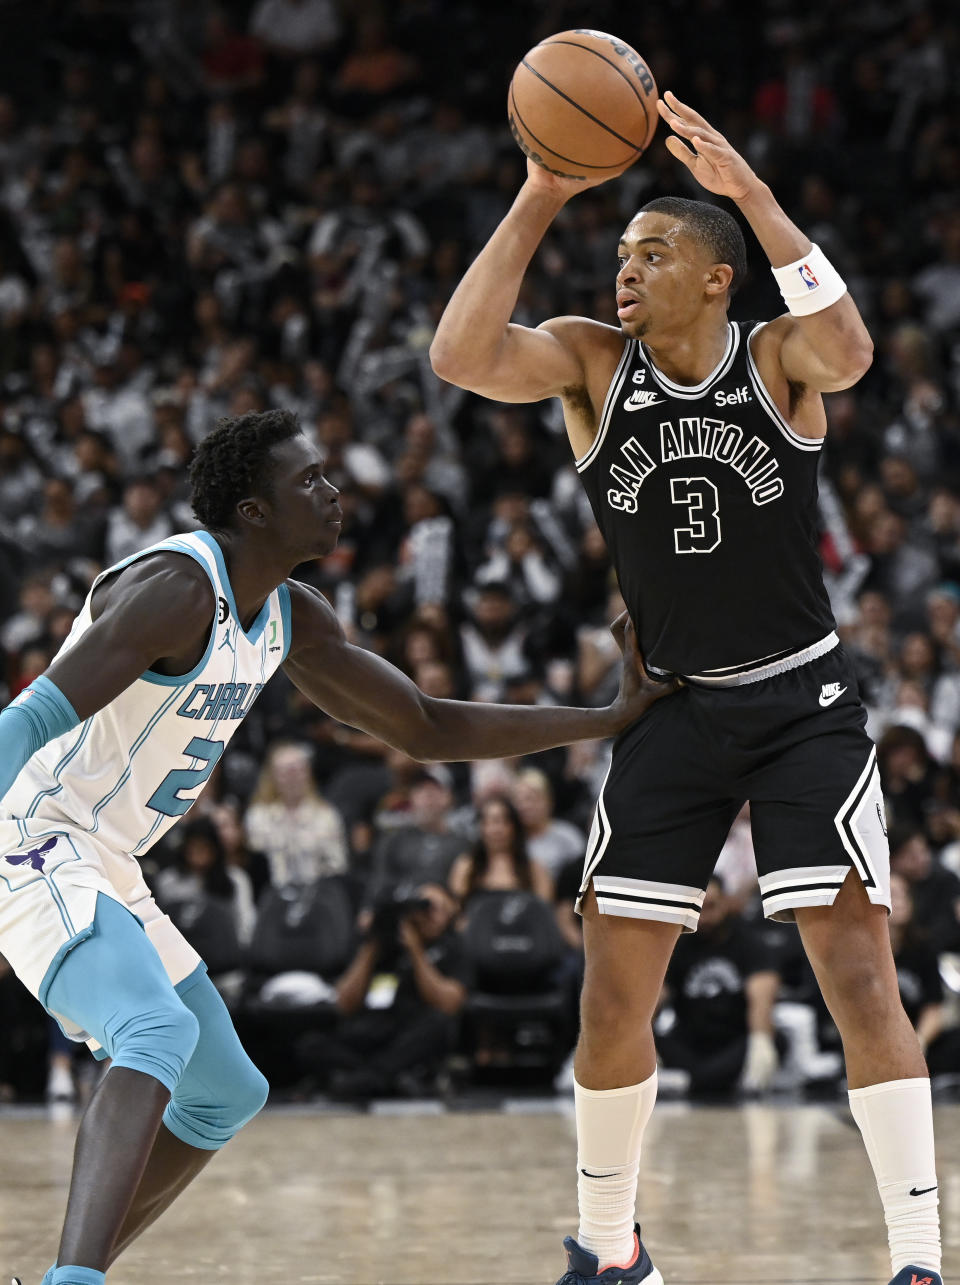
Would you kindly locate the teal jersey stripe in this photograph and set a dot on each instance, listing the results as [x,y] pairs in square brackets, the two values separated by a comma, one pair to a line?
[58,770]
[125,775]
[283,593]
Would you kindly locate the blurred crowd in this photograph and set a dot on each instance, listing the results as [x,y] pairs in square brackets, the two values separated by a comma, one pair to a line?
[212,208]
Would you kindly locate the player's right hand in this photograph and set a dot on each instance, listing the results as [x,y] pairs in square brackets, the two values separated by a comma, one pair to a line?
[542,180]
[637,691]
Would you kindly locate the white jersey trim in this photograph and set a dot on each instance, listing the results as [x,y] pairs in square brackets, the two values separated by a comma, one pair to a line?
[690,392]
[770,406]
[613,392]
[867,787]
[759,672]
[600,832]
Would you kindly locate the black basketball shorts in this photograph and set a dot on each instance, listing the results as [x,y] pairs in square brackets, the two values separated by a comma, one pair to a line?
[794,745]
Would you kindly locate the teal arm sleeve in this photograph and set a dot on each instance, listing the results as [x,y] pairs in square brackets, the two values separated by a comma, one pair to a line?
[40,713]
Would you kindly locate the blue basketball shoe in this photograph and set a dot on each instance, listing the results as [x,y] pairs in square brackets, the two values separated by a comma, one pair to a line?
[583,1267]
[917,1276]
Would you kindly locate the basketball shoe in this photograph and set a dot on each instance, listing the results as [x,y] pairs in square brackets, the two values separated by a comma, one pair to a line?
[583,1267]
[916,1276]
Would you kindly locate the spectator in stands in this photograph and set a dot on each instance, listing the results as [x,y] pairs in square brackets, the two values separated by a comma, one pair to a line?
[37,601]
[228,819]
[399,1001]
[301,835]
[58,533]
[917,972]
[550,842]
[21,481]
[907,774]
[722,984]
[139,523]
[934,890]
[499,860]
[492,642]
[423,849]
[294,28]
[201,870]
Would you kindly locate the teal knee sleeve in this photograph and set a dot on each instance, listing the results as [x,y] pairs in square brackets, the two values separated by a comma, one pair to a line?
[114,986]
[221,1089]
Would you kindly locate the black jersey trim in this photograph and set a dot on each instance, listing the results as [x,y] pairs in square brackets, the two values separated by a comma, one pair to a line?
[692,392]
[770,406]
[613,392]
[655,903]
[798,889]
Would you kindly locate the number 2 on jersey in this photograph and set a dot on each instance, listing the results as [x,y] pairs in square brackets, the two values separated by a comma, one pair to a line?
[699,496]
[166,797]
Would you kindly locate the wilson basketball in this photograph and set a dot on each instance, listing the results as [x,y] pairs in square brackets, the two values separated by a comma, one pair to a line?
[583,104]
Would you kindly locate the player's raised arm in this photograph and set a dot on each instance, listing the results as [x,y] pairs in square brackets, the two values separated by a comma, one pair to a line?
[359,688]
[159,609]
[822,343]
[476,346]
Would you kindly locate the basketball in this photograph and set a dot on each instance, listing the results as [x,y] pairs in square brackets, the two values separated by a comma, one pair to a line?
[583,104]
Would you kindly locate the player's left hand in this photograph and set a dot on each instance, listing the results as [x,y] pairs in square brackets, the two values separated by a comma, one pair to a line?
[713,162]
[637,691]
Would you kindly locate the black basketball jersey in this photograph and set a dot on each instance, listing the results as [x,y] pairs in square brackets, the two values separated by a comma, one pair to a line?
[708,502]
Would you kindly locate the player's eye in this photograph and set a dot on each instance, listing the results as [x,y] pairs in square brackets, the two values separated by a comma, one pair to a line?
[652,256]
[621,260]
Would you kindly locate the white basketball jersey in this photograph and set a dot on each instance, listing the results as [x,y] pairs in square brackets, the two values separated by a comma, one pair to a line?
[132,769]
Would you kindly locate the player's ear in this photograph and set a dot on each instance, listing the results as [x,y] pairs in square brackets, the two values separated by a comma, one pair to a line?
[718,279]
[251,512]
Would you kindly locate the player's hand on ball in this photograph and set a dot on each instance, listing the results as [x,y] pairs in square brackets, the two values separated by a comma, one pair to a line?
[637,691]
[558,186]
[709,157]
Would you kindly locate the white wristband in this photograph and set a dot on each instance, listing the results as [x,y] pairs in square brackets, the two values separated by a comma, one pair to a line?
[811,284]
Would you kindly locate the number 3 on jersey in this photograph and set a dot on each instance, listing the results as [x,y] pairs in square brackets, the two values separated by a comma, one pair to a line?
[699,496]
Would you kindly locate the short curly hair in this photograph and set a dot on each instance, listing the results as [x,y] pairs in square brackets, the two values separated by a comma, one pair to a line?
[711,227]
[233,462]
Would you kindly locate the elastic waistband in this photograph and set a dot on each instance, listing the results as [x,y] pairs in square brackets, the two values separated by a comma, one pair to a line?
[782,665]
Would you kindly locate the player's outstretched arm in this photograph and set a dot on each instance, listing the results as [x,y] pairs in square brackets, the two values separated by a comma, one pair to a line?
[160,609]
[361,689]
[825,348]
[476,345]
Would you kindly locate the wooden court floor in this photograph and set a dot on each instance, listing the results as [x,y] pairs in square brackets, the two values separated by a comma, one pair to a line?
[771,1194]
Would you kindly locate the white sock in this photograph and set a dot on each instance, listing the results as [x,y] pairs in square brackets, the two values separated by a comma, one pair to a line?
[610,1125]
[896,1120]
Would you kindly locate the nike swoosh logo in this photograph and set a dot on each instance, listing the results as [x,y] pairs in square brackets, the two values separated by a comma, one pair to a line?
[632,406]
[604,1175]
[828,700]
[914,1192]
